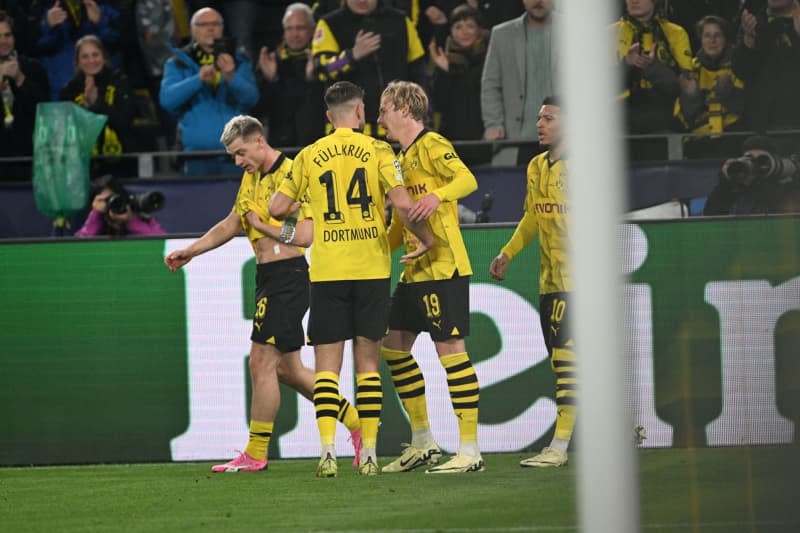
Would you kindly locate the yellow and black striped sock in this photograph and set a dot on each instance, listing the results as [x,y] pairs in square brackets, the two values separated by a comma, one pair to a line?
[563,363]
[369,399]
[326,404]
[260,433]
[410,386]
[348,415]
[464,394]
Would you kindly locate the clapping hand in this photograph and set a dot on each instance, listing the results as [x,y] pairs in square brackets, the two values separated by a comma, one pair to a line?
[92,11]
[89,91]
[268,63]
[749,24]
[207,74]
[56,15]
[438,56]
[636,58]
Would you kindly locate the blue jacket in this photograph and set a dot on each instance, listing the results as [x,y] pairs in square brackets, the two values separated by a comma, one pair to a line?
[202,111]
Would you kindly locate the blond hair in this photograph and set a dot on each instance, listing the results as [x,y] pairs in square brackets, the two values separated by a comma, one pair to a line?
[243,126]
[408,93]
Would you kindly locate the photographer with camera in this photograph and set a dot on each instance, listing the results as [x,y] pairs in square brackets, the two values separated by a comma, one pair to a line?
[760,182]
[118,213]
[206,84]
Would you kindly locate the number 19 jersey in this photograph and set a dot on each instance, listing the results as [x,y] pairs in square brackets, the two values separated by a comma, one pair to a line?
[346,176]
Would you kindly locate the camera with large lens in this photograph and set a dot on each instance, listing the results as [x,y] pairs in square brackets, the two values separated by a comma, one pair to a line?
[777,168]
[742,170]
[144,203]
[750,168]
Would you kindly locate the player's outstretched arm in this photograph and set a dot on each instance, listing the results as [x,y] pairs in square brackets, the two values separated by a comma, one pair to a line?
[222,232]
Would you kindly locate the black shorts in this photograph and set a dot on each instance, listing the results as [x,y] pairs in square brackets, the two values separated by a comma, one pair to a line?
[281,303]
[440,307]
[553,315]
[342,310]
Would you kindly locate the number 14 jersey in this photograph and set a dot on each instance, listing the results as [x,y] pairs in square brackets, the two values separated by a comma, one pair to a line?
[346,176]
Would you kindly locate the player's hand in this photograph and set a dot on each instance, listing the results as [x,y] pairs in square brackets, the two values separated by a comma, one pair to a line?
[268,63]
[419,248]
[438,56]
[366,42]
[226,65]
[177,259]
[424,208]
[498,267]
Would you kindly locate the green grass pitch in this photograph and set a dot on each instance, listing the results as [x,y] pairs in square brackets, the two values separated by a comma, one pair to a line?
[721,490]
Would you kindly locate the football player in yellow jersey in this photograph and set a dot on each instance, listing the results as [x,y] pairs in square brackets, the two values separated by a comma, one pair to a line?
[546,217]
[346,176]
[433,292]
[281,289]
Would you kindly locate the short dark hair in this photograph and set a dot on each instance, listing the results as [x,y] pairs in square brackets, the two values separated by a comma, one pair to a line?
[8,19]
[552,100]
[106,181]
[465,12]
[759,142]
[342,92]
[723,24]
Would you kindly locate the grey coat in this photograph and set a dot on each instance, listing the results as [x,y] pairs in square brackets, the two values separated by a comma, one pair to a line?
[503,80]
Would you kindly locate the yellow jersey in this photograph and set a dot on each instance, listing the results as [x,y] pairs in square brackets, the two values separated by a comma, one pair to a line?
[546,216]
[254,194]
[346,176]
[431,165]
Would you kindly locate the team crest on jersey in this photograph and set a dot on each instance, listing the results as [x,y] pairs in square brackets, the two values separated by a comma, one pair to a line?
[399,175]
[289,176]
[318,35]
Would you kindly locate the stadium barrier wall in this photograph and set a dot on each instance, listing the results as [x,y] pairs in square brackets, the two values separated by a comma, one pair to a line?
[109,357]
[194,205]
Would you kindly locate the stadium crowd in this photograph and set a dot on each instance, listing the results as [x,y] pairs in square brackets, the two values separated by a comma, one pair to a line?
[170,73]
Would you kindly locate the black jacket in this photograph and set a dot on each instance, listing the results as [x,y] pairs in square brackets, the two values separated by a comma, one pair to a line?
[294,107]
[771,73]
